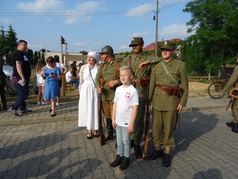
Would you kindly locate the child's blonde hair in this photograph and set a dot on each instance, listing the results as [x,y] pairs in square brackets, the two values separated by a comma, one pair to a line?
[127,68]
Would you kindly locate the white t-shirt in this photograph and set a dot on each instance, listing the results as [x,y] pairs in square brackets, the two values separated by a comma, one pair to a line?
[68,76]
[60,65]
[125,98]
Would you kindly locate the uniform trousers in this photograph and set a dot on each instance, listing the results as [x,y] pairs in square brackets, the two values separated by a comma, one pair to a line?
[139,122]
[163,130]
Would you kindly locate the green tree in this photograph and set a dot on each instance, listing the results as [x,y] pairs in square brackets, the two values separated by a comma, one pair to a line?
[213,23]
[2,40]
[11,39]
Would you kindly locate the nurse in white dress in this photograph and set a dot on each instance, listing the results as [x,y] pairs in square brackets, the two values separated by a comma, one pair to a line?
[88,101]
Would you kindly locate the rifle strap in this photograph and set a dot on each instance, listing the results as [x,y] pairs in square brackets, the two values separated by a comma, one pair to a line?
[90,73]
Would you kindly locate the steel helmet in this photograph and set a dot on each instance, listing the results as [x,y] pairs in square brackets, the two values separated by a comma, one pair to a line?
[107,50]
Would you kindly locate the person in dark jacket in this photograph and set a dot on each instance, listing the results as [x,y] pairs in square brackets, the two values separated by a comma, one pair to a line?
[2,84]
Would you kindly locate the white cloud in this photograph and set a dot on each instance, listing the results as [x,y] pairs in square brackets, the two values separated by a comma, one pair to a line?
[174,31]
[40,5]
[82,11]
[140,10]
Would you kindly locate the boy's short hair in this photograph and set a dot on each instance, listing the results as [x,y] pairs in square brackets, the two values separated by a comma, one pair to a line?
[128,68]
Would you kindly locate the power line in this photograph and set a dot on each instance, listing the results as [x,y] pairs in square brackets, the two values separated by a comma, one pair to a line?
[63,13]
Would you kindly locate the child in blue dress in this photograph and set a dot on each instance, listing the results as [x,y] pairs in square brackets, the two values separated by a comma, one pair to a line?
[52,75]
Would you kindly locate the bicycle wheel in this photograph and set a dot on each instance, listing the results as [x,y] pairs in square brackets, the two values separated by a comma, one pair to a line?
[215,90]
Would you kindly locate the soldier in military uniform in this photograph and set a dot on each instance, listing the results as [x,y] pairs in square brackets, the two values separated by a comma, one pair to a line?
[168,94]
[140,64]
[107,80]
[232,82]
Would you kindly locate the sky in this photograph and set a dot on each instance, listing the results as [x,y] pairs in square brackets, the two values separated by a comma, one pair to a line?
[91,24]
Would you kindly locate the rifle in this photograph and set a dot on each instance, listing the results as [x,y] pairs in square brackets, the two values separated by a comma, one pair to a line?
[147,131]
[229,103]
[102,137]
[177,121]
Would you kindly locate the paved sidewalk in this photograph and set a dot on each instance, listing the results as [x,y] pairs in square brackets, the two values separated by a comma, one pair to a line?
[69,111]
[56,148]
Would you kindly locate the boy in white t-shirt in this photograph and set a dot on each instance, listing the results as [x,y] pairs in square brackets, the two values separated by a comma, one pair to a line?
[123,116]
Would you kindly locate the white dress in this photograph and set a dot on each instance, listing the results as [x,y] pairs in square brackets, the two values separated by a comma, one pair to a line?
[88,101]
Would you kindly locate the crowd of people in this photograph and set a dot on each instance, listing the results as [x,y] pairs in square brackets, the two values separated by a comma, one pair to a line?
[127,88]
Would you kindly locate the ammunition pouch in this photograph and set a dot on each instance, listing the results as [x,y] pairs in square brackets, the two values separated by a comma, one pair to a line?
[172,90]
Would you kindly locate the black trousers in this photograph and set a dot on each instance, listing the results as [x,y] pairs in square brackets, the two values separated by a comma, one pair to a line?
[3,95]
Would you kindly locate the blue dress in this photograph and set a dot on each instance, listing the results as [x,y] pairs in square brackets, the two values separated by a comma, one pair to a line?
[51,84]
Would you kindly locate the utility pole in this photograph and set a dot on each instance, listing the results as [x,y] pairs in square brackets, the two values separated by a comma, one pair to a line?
[156,27]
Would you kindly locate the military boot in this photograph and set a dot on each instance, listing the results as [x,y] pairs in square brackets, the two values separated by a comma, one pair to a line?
[109,130]
[166,160]
[230,124]
[235,128]
[138,151]
[156,154]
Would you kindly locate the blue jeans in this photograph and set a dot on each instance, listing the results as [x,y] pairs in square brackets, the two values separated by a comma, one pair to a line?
[123,141]
[74,82]
[22,93]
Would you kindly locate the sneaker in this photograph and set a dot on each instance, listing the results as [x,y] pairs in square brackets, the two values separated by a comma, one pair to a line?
[43,103]
[125,163]
[14,112]
[26,110]
[117,161]
[38,103]
[52,114]
[230,124]
[235,128]
[57,104]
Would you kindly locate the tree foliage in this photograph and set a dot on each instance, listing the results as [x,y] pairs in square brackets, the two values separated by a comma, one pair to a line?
[215,40]
[8,44]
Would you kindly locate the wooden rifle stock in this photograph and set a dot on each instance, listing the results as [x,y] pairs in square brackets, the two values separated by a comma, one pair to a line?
[102,137]
[147,131]
[229,103]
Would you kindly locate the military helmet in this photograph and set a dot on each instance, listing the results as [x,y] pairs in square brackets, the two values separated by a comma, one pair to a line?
[167,46]
[107,50]
[136,41]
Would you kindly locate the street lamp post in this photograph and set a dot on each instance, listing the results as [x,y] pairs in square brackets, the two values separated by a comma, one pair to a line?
[156,27]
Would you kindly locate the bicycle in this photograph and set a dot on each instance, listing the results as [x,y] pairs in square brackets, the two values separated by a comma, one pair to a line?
[215,89]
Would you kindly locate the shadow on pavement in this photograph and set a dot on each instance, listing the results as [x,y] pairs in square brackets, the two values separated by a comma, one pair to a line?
[192,126]
[52,166]
[84,168]
[31,145]
[210,173]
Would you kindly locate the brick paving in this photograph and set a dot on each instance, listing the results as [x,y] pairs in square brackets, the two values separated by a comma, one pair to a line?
[38,146]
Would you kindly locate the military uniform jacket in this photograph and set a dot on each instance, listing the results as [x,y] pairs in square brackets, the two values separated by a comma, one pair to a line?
[231,82]
[134,61]
[107,72]
[161,101]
